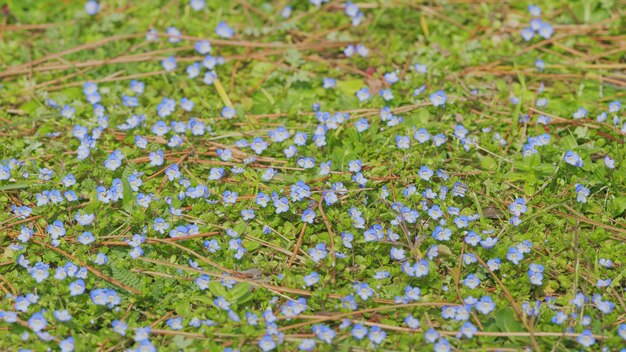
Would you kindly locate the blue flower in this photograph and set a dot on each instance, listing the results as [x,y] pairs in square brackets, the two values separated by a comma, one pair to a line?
[324,333]
[105,296]
[37,322]
[586,338]
[308,216]
[386,94]
[267,343]
[173,34]
[534,10]
[197,5]
[363,290]
[67,345]
[621,330]
[438,98]
[119,327]
[403,142]
[329,83]
[412,322]
[175,323]
[223,30]
[535,274]
[101,259]
[62,315]
[572,158]
[307,345]
[442,345]
[359,331]
[114,161]
[56,229]
[311,279]
[580,113]
[84,219]
[258,145]
[318,252]
[468,330]
[397,253]
[376,335]
[518,207]
[92,7]
[471,281]
[247,214]
[581,193]
[485,305]
[528,33]
[425,173]
[609,162]
[169,63]
[412,293]
[361,50]
[228,112]
[605,307]
[142,333]
[363,94]
[137,87]
[431,335]
[545,30]
[439,139]
[494,264]
[286,12]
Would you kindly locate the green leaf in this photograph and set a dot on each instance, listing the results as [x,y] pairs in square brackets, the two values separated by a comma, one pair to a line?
[128,199]
[617,206]
[217,289]
[506,321]
[15,186]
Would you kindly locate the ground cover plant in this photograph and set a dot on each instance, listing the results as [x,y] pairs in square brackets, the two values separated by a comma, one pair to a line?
[312,175]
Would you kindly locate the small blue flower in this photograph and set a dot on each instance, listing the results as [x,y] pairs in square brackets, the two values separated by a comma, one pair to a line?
[92,7]
[376,335]
[329,83]
[586,338]
[175,323]
[359,331]
[621,330]
[308,216]
[572,158]
[485,305]
[363,94]
[228,112]
[306,345]
[609,162]
[142,333]
[545,30]
[615,106]
[534,10]
[438,98]
[581,193]
[37,322]
[169,63]
[173,34]
[528,33]
[431,335]
[67,345]
[324,333]
[518,207]
[119,327]
[471,281]
[197,5]
[224,31]
[580,113]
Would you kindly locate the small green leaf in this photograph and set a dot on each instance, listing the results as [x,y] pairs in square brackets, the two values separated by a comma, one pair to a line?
[128,199]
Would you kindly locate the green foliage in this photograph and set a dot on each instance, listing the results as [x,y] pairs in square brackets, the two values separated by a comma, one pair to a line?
[273,75]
